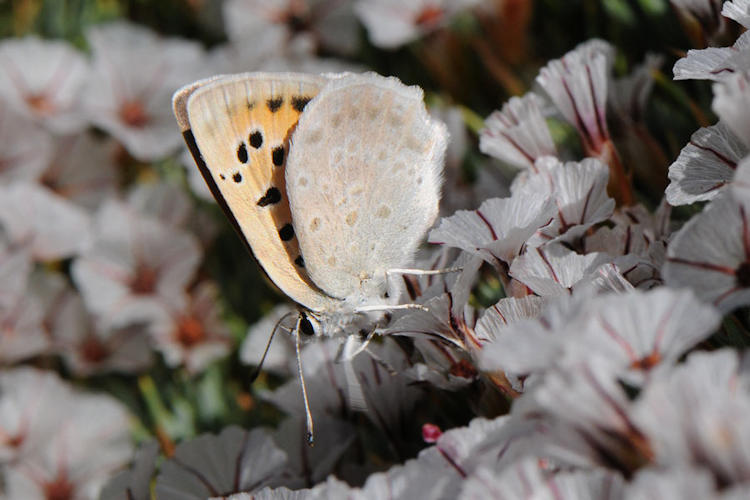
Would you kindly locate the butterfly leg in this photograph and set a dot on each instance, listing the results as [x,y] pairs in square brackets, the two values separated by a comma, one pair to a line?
[308,415]
[424,272]
[390,273]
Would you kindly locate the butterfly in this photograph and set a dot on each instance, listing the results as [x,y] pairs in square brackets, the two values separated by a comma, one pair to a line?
[331,180]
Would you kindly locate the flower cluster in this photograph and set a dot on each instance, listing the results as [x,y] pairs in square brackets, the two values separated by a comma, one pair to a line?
[581,335]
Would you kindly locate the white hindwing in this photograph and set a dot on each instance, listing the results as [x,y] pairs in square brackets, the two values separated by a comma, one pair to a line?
[363,179]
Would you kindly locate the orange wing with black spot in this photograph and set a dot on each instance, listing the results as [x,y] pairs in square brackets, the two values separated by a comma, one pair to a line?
[238,128]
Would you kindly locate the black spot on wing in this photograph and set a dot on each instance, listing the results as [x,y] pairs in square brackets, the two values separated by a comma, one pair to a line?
[242,153]
[277,156]
[222,177]
[237,177]
[274,104]
[299,102]
[300,261]
[272,196]
[256,139]
[286,233]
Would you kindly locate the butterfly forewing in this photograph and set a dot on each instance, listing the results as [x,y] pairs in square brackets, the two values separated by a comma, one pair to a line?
[238,129]
[363,177]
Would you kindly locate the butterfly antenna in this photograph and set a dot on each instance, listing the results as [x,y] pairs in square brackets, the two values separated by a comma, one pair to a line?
[308,415]
[256,373]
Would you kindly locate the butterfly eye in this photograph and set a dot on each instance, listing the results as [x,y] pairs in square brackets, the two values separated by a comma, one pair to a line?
[306,326]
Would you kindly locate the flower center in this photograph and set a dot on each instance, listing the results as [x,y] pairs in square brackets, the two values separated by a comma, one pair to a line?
[134,114]
[463,369]
[190,331]
[93,350]
[12,441]
[743,275]
[41,104]
[429,16]
[647,362]
[59,489]
[144,282]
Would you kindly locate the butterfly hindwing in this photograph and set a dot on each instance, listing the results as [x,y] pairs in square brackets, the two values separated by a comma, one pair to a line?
[238,129]
[363,176]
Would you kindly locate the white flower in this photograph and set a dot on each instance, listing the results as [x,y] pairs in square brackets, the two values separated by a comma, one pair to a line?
[49,225]
[448,315]
[163,201]
[411,480]
[681,483]
[330,489]
[22,332]
[73,424]
[507,311]
[498,230]
[388,393]
[134,75]
[517,134]
[636,232]
[218,465]
[196,335]
[705,165]
[171,205]
[134,483]
[588,400]
[281,358]
[577,84]
[741,183]
[710,255]
[85,345]
[634,332]
[527,479]
[739,10]
[710,433]
[44,80]
[330,23]
[393,23]
[731,102]
[308,465]
[553,269]
[24,426]
[457,452]
[376,381]
[25,148]
[82,170]
[135,267]
[579,191]
[714,63]
[324,377]
[536,341]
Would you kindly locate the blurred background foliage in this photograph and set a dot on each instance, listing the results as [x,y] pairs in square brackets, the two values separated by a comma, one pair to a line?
[478,64]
